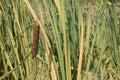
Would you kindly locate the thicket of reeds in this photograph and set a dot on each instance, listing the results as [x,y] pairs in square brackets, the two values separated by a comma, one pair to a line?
[78,40]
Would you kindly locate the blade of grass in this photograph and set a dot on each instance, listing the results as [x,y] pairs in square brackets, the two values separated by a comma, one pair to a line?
[81,34]
[60,9]
[88,32]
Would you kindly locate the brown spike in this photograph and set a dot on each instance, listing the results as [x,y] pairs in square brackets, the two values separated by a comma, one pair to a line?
[35,40]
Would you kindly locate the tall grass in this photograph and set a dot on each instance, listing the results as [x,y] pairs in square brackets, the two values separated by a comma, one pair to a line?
[78,40]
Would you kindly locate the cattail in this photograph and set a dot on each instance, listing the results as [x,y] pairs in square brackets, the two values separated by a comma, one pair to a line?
[35,40]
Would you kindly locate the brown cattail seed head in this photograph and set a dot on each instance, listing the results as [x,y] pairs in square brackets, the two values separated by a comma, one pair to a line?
[35,40]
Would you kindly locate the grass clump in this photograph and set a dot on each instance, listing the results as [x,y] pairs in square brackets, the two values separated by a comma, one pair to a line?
[78,40]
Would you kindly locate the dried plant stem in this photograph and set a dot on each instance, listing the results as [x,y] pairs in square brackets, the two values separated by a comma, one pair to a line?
[8,73]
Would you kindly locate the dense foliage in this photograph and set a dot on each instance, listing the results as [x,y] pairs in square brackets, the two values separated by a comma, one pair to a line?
[78,39]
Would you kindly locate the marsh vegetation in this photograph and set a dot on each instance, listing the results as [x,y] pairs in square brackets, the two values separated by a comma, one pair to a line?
[77,40]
